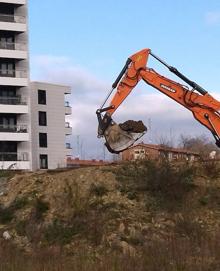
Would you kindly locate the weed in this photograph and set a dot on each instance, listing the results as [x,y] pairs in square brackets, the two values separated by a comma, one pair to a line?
[6,215]
[40,208]
[188,227]
[59,233]
[211,169]
[98,190]
[20,227]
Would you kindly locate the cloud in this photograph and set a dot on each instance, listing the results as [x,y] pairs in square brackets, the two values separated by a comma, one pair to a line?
[212,17]
[165,116]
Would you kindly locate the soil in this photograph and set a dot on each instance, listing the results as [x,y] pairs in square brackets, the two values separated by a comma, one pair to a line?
[133,126]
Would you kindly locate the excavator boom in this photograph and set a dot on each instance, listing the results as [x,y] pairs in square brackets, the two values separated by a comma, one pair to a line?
[203,106]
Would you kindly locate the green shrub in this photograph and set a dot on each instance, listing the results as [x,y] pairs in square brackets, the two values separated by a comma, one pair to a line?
[60,233]
[6,215]
[40,208]
[98,190]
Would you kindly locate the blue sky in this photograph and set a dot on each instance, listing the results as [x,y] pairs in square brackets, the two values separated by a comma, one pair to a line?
[92,39]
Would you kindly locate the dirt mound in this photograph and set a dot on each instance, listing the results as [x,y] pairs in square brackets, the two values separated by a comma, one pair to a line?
[133,126]
[122,208]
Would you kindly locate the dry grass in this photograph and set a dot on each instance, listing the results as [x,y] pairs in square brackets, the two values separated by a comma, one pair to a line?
[174,254]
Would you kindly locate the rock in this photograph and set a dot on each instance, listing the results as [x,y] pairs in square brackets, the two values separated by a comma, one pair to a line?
[121,228]
[6,235]
[127,249]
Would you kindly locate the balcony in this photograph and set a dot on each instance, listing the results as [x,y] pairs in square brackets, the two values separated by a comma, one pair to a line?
[13,77]
[68,149]
[13,156]
[13,128]
[14,50]
[68,109]
[17,2]
[13,46]
[68,128]
[14,132]
[16,105]
[13,22]
[17,100]
[12,18]
[68,146]
[13,160]
[13,73]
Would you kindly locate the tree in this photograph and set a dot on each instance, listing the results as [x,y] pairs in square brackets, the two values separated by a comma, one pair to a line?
[200,144]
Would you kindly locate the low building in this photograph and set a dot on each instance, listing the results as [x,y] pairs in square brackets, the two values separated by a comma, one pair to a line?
[84,163]
[151,151]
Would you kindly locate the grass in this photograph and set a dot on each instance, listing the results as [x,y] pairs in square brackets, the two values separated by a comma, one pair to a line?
[172,254]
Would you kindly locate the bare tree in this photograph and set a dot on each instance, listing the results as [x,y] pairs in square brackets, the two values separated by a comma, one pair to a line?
[200,144]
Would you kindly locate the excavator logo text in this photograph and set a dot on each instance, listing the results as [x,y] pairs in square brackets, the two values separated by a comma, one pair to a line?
[168,88]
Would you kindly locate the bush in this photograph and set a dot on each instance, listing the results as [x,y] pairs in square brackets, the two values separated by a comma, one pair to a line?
[60,233]
[211,169]
[7,213]
[98,190]
[164,181]
[40,207]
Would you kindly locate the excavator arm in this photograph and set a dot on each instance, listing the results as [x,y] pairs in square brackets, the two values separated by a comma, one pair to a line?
[202,105]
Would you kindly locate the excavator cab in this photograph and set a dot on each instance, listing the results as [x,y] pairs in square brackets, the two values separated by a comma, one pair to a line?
[121,136]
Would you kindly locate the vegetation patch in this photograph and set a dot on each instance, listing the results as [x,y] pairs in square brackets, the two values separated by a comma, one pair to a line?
[7,213]
[160,179]
[98,190]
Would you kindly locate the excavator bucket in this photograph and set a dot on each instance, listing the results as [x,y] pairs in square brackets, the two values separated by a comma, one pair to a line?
[119,137]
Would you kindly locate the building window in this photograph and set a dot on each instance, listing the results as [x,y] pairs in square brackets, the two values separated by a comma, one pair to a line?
[42,118]
[7,69]
[42,96]
[43,140]
[43,161]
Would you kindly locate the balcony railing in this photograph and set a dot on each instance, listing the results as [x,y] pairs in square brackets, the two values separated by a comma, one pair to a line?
[13,46]
[14,156]
[67,104]
[13,73]
[22,128]
[17,100]
[68,146]
[67,125]
[12,18]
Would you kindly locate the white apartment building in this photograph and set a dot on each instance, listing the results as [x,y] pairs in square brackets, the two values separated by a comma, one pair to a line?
[15,149]
[21,114]
[49,127]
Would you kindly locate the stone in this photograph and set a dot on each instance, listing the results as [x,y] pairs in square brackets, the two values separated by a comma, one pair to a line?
[6,235]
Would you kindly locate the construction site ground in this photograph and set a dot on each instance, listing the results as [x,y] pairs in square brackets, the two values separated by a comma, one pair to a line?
[139,211]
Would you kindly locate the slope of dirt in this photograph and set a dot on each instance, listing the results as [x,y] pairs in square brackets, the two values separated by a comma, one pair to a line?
[111,208]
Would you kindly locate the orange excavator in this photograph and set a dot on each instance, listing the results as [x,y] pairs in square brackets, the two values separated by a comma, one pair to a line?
[119,137]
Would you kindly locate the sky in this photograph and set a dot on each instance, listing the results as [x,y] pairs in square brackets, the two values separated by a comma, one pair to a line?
[85,44]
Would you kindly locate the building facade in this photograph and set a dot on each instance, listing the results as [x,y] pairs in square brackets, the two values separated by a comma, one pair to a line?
[151,151]
[49,128]
[32,133]
[15,134]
